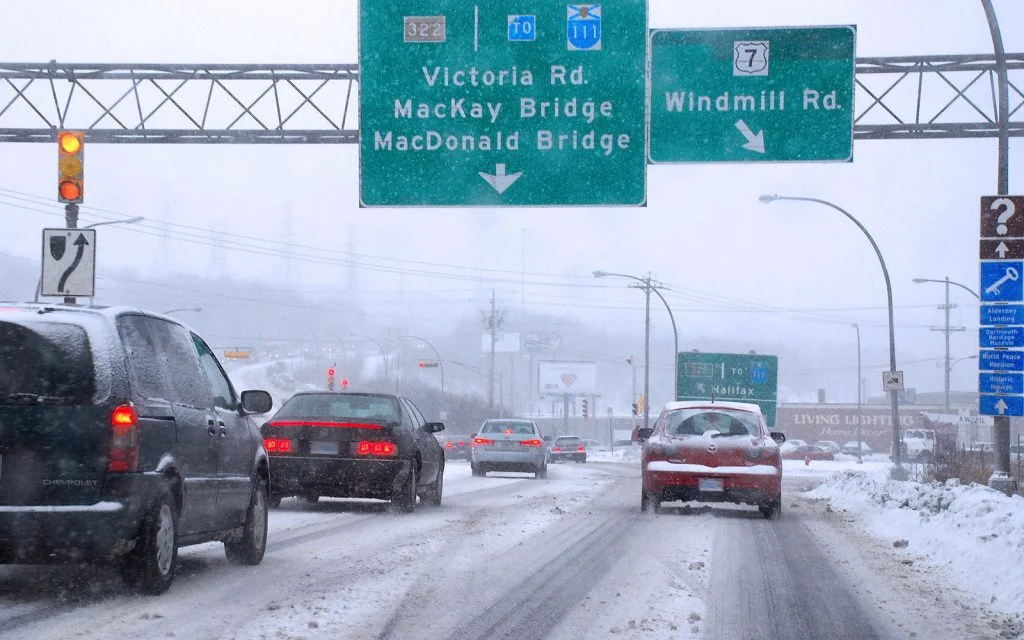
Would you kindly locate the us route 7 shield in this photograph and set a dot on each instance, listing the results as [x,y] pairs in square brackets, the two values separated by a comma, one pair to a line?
[69,263]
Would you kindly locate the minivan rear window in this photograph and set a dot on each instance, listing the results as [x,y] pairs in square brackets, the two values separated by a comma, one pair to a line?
[45,362]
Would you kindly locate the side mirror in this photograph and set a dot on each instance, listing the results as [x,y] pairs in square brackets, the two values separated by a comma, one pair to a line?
[644,434]
[256,401]
[778,437]
[434,427]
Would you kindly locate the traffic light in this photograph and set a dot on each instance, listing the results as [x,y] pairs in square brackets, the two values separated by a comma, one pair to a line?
[330,372]
[586,407]
[330,378]
[70,167]
[642,405]
[429,364]
[344,384]
[636,409]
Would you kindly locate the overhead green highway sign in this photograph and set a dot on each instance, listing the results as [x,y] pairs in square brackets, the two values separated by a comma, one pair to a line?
[737,377]
[779,94]
[503,102]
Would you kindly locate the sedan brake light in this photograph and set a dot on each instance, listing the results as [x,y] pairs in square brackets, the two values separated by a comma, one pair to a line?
[324,423]
[376,448]
[278,445]
[478,441]
[581,448]
[556,449]
[530,443]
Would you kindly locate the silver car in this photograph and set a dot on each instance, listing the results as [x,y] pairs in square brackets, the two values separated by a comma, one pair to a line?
[508,445]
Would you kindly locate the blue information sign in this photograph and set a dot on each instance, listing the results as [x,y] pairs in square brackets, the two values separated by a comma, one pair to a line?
[1002,314]
[1001,336]
[1001,383]
[1001,405]
[991,360]
[1001,281]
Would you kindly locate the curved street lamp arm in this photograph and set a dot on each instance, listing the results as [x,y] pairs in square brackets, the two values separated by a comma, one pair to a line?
[440,364]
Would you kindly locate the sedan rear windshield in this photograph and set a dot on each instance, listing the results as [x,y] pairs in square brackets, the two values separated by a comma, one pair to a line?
[567,441]
[334,405]
[45,363]
[500,426]
[720,422]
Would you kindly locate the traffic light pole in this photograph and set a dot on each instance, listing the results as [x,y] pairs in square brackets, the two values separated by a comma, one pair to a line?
[71,221]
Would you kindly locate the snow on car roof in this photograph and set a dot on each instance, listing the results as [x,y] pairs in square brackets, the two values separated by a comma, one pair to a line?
[709,404]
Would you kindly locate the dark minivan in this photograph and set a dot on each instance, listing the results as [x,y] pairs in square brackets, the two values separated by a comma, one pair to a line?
[122,439]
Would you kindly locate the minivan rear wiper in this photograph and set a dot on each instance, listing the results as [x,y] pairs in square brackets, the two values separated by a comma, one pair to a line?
[22,397]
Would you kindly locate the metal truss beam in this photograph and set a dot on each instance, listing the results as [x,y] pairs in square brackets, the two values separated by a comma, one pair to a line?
[911,97]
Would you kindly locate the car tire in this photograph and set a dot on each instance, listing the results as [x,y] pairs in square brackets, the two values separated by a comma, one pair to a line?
[650,501]
[274,501]
[925,457]
[478,471]
[149,567]
[249,549]
[541,473]
[405,499]
[771,510]
[432,496]
[310,498]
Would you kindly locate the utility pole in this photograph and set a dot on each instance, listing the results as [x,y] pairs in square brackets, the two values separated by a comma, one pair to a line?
[947,331]
[493,322]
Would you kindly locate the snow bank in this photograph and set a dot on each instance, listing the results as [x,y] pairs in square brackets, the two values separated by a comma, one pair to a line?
[975,532]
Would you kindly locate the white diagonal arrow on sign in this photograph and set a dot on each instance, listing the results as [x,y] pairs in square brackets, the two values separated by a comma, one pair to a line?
[755,141]
[500,180]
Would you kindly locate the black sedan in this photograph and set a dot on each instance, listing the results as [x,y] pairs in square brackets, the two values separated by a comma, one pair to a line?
[354,445]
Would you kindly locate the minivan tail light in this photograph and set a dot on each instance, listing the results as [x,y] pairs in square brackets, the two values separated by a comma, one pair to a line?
[530,443]
[123,453]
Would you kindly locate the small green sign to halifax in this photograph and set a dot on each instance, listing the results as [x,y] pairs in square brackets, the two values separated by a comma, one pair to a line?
[502,103]
[736,377]
[773,94]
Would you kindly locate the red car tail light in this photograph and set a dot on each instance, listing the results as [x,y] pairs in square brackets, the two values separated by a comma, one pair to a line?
[123,453]
[581,448]
[479,441]
[530,443]
[556,449]
[278,445]
[376,448]
[449,445]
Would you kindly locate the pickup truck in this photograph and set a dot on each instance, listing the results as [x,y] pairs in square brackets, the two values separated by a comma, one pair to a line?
[919,444]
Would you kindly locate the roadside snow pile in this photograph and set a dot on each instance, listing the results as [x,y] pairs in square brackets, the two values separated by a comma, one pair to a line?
[974,531]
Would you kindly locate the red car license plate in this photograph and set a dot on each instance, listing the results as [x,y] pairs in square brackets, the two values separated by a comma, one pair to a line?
[710,484]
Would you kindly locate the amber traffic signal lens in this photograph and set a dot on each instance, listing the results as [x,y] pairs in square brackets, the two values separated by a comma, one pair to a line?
[69,142]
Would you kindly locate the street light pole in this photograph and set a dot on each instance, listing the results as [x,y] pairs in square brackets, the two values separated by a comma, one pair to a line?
[947,330]
[440,365]
[383,353]
[648,287]
[898,472]
[860,416]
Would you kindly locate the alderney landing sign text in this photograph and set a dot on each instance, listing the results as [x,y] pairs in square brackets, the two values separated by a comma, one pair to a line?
[504,102]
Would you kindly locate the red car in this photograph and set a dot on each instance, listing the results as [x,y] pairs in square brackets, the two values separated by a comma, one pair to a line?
[711,452]
[808,452]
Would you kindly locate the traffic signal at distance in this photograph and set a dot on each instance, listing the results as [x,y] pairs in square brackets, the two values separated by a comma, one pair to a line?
[636,409]
[586,408]
[330,372]
[70,167]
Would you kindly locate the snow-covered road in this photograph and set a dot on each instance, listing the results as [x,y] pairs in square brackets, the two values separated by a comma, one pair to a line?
[507,556]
